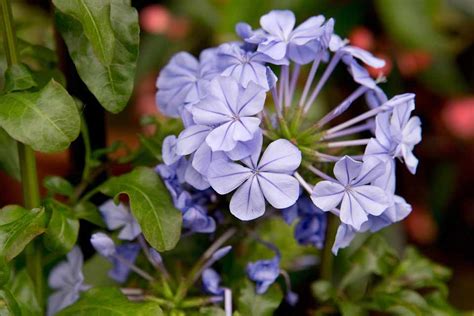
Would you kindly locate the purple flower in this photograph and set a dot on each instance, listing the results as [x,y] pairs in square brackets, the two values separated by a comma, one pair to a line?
[396,134]
[67,281]
[184,81]
[230,110]
[118,216]
[311,229]
[349,52]
[344,236]
[169,150]
[196,220]
[352,191]
[211,282]
[282,40]
[245,66]
[120,271]
[264,273]
[270,179]
[103,244]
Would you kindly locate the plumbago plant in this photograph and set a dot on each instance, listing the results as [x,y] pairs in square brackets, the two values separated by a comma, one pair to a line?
[233,202]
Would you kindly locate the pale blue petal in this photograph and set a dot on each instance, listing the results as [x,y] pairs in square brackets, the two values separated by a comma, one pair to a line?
[204,156]
[347,169]
[371,169]
[248,202]
[245,129]
[60,300]
[274,49]
[211,111]
[279,23]
[352,213]
[344,236]
[225,176]
[245,149]
[196,220]
[364,56]
[195,179]
[361,75]
[280,156]
[169,150]
[211,282]
[280,190]
[191,138]
[308,30]
[252,99]
[226,89]
[372,199]
[327,195]
[222,137]
[120,271]
[115,216]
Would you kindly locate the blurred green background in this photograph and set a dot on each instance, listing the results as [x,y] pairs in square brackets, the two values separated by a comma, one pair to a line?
[429,49]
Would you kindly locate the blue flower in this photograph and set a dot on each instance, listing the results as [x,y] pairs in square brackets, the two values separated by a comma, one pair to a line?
[230,110]
[311,230]
[118,216]
[269,179]
[169,150]
[120,271]
[103,244]
[211,282]
[352,191]
[282,40]
[396,134]
[67,281]
[264,273]
[184,81]
[245,66]
[196,220]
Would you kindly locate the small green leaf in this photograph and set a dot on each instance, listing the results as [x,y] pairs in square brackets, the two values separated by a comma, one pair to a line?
[102,38]
[9,155]
[58,185]
[211,311]
[23,290]
[323,290]
[89,212]
[47,120]
[18,227]
[5,271]
[253,304]
[151,205]
[374,256]
[351,309]
[63,227]
[18,77]
[110,302]
[8,304]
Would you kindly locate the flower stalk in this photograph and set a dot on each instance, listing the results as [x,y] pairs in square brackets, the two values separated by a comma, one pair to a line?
[29,176]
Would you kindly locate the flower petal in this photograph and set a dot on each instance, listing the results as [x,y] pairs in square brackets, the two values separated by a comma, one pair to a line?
[327,195]
[352,213]
[195,179]
[279,23]
[280,156]
[371,169]
[222,137]
[280,190]
[191,138]
[211,111]
[372,199]
[252,99]
[248,203]
[308,30]
[245,128]
[225,176]
[347,169]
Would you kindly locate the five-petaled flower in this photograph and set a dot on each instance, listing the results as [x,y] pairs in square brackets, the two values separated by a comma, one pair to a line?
[268,179]
[352,190]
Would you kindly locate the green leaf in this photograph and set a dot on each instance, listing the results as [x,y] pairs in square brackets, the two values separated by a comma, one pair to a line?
[374,256]
[151,205]
[253,304]
[18,77]
[58,185]
[8,304]
[351,309]
[5,271]
[211,311]
[102,37]
[323,290]
[22,288]
[110,302]
[89,212]
[47,120]
[18,227]
[63,227]
[9,155]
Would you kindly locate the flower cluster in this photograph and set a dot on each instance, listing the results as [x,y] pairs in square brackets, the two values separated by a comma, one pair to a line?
[233,141]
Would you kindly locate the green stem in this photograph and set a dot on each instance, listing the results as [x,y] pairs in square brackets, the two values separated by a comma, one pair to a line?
[327,256]
[29,176]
